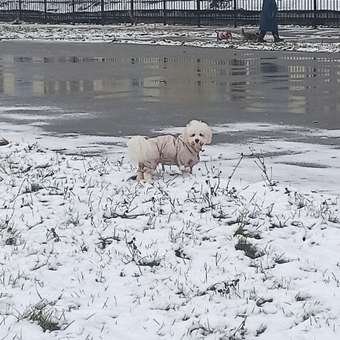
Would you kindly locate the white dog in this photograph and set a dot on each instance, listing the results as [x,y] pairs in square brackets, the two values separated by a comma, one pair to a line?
[182,150]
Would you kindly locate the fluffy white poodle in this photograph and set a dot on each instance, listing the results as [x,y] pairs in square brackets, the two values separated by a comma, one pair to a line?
[182,150]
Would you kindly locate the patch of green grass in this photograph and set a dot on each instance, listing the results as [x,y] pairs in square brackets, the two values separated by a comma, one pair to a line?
[44,316]
[249,249]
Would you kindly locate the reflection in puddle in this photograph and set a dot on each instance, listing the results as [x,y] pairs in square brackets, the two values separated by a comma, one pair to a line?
[245,82]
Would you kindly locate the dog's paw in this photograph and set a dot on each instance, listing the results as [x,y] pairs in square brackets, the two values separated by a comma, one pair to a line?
[185,169]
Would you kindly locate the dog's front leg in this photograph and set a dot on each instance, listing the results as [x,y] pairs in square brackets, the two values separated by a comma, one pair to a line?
[185,169]
[182,168]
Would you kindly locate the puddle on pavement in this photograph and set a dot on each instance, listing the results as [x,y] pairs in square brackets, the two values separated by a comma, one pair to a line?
[122,90]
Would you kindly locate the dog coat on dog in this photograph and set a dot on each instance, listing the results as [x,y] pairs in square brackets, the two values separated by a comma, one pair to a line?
[167,150]
[182,150]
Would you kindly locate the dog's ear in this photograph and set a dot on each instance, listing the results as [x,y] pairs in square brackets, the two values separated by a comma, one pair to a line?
[186,132]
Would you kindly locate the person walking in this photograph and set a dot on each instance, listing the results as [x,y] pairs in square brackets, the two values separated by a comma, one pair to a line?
[268,21]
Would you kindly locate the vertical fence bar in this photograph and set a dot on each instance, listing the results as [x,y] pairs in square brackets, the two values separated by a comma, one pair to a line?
[45,11]
[102,11]
[235,13]
[20,10]
[164,12]
[198,12]
[73,12]
[132,12]
[315,13]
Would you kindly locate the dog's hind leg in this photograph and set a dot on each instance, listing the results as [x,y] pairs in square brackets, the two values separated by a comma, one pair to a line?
[149,169]
[148,175]
[140,172]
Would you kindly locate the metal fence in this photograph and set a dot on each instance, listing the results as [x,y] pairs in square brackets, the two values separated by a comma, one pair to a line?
[190,12]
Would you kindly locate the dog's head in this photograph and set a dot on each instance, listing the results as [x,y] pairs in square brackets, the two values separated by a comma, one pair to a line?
[197,134]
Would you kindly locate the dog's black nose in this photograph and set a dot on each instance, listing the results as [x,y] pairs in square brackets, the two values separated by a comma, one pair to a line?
[197,140]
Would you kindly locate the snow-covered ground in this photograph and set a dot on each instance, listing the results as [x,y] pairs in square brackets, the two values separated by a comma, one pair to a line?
[296,38]
[247,247]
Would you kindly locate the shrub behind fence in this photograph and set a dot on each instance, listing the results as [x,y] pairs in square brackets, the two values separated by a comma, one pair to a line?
[191,12]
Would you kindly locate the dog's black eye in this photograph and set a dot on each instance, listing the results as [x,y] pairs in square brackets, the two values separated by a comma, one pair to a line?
[201,134]
[193,135]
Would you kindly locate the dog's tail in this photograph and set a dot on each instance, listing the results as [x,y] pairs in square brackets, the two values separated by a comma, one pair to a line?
[139,149]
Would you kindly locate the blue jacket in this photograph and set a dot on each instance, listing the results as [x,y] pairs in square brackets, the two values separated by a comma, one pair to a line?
[268,21]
